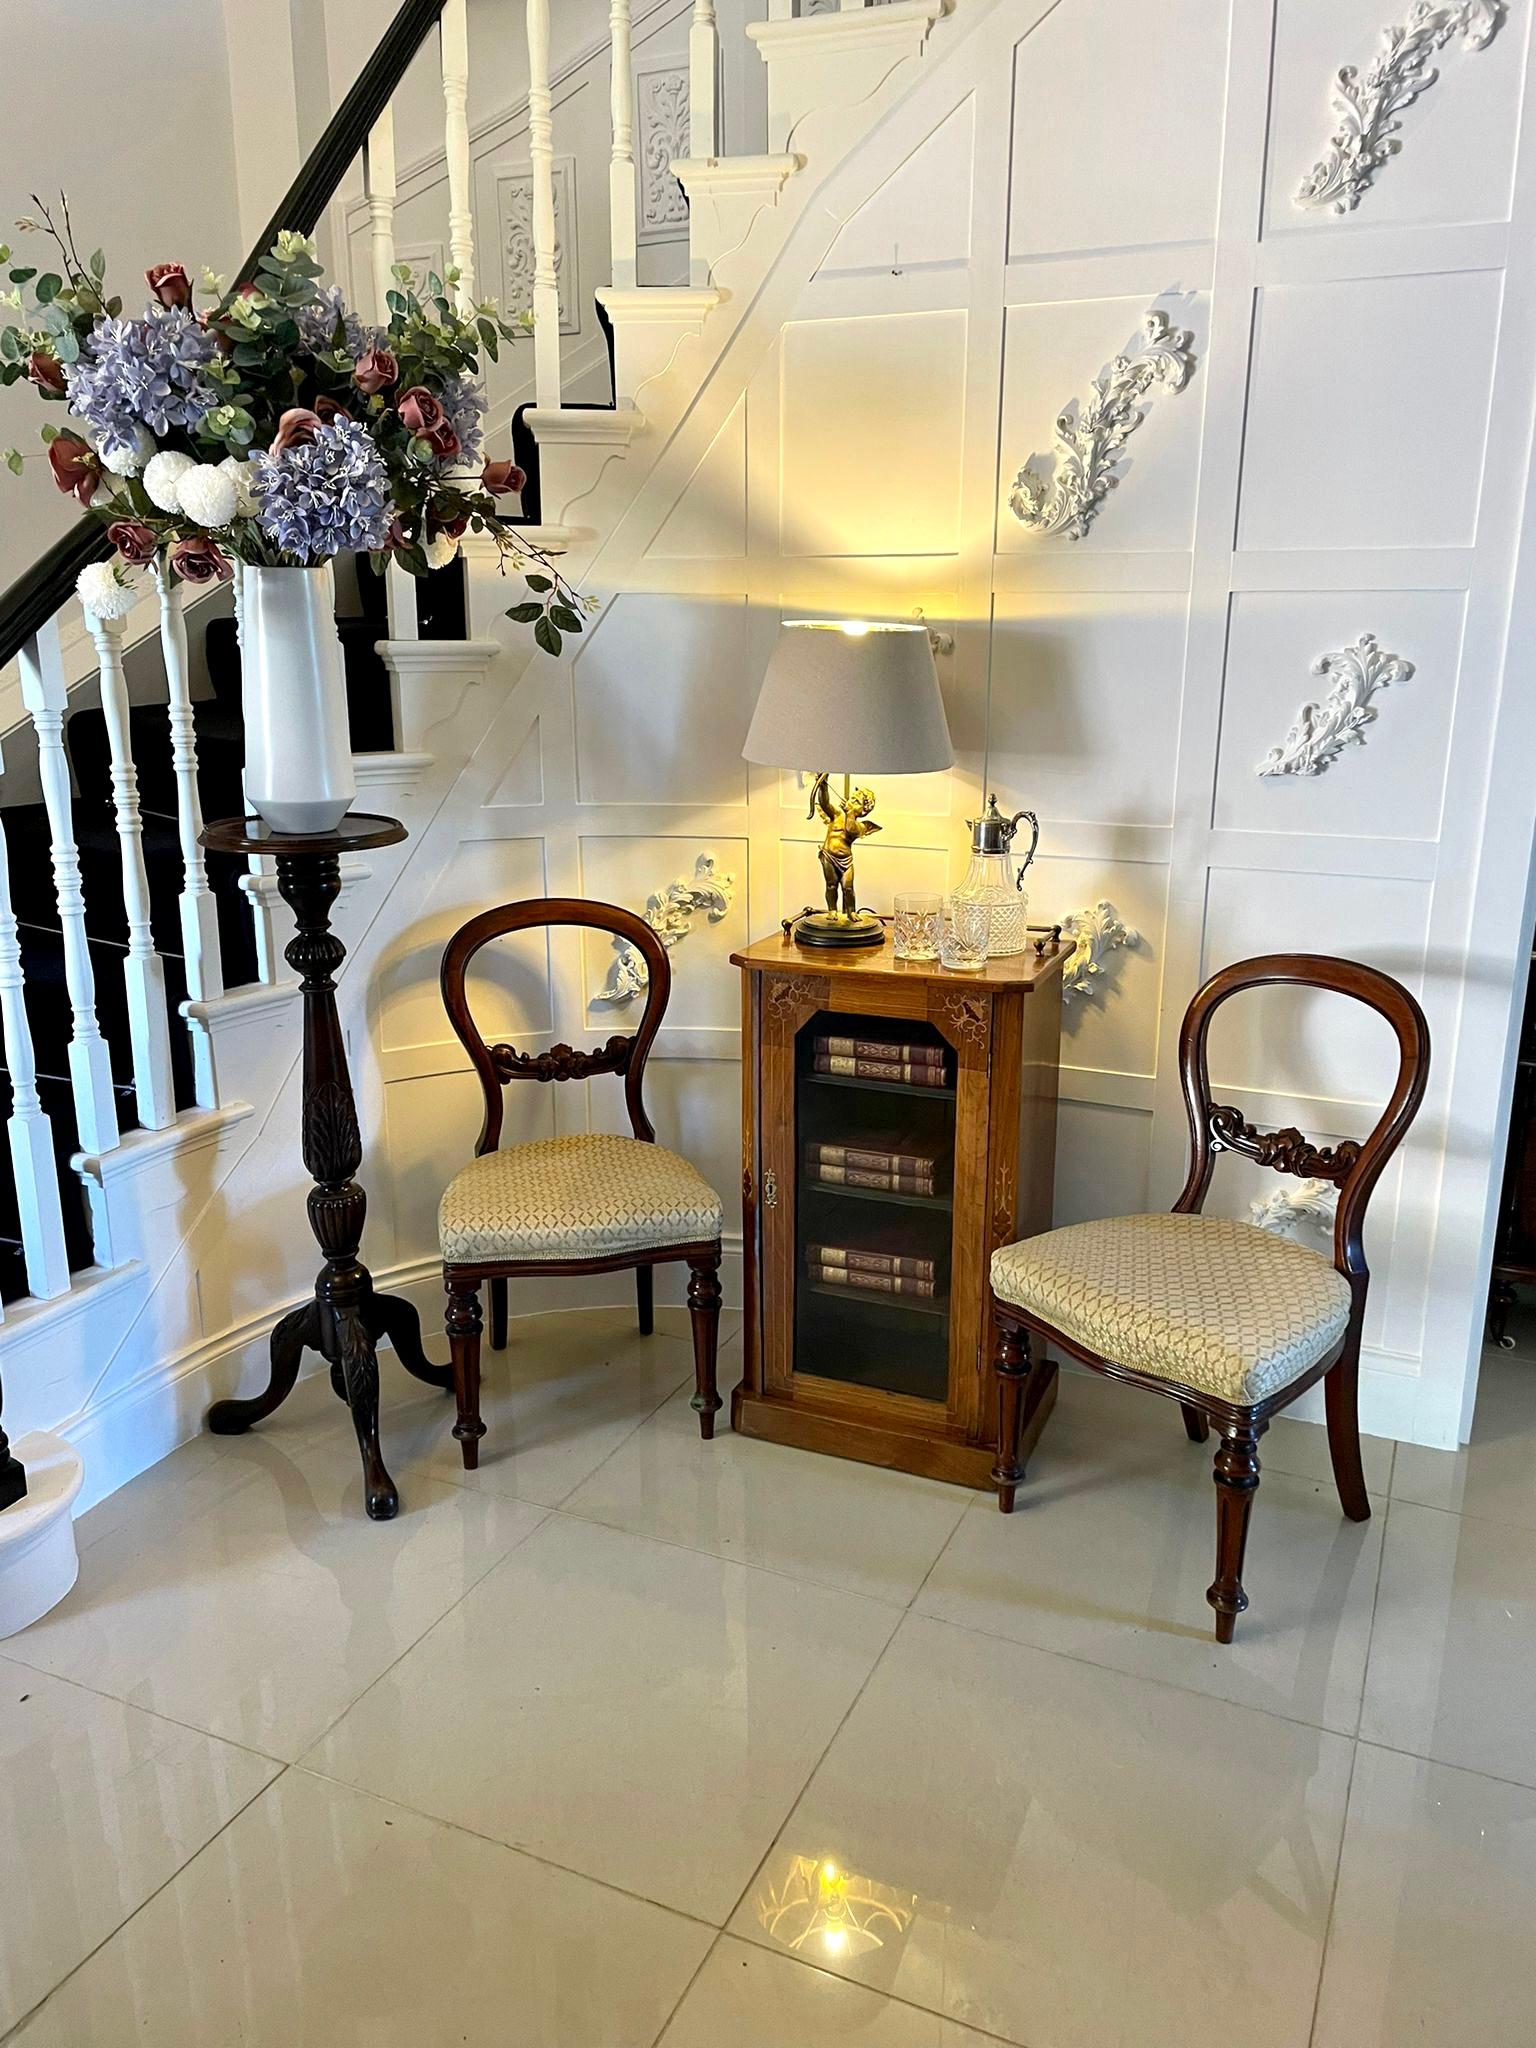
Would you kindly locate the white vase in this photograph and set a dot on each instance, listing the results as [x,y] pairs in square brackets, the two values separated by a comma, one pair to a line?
[298,753]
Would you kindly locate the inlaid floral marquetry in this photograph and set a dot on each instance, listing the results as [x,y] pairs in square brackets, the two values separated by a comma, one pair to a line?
[967,1017]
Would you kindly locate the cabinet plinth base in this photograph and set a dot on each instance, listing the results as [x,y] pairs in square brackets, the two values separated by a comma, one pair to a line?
[928,1457]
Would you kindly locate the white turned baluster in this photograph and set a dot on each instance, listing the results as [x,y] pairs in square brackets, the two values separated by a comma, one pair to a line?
[90,1062]
[703,72]
[621,168]
[259,867]
[143,970]
[30,1132]
[453,30]
[199,906]
[541,152]
[379,188]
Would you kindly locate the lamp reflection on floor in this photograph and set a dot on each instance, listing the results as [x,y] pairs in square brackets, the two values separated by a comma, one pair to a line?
[822,1908]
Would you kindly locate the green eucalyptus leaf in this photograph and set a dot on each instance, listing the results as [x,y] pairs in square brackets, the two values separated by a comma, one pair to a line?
[547,635]
[24,276]
[525,614]
[567,620]
[538,583]
[14,462]
[48,286]
[98,264]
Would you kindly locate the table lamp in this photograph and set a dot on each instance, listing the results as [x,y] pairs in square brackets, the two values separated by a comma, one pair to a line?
[848,690]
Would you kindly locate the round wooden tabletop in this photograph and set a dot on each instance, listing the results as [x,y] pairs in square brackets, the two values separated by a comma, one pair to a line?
[357,831]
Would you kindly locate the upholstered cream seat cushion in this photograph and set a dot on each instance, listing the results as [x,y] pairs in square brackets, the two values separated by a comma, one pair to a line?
[1230,1309]
[588,1196]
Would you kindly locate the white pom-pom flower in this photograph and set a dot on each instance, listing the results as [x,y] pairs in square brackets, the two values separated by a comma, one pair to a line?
[125,461]
[207,495]
[106,590]
[239,474]
[162,473]
[440,550]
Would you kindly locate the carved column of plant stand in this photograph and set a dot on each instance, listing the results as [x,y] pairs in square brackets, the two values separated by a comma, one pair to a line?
[347,1318]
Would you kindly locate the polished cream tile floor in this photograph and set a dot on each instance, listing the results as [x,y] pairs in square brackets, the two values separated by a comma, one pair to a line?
[630,1741]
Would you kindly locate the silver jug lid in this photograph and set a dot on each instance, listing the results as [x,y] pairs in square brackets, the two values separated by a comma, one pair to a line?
[992,832]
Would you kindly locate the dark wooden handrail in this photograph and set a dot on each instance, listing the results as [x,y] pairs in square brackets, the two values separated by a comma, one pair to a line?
[33,598]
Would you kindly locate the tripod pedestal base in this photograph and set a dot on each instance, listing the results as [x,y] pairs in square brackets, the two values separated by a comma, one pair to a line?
[346,1320]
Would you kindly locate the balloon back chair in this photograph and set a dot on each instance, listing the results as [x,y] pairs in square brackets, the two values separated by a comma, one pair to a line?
[1231,1321]
[584,1203]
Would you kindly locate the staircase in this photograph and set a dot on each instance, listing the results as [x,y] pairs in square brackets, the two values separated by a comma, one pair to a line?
[138,1007]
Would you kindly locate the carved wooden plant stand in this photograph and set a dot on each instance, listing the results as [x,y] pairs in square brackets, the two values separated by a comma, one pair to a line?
[346,1319]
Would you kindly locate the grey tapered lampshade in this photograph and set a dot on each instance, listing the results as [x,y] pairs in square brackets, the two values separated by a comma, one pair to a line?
[850,694]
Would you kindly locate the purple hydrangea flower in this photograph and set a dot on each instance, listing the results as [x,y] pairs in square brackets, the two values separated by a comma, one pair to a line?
[143,373]
[329,496]
[464,403]
[316,323]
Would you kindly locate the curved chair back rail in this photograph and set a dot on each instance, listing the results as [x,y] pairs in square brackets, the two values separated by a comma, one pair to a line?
[623,1054]
[1353,1167]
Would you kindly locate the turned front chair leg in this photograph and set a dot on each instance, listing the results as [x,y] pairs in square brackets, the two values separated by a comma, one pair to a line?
[704,1314]
[1012,1369]
[1196,1427]
[464,1326]
[1237,1481]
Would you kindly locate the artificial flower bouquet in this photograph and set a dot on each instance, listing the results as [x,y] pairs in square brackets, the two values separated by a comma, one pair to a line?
[274,428]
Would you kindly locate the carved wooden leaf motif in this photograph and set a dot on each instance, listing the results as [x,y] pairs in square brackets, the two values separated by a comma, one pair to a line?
[1368,106]
[331,1144]
[562,1062]
[1287,1150]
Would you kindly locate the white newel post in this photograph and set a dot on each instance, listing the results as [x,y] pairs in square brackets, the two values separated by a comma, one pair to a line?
[90,1062]
[453,33]
[30,1132]
[541,153]
[143,970]
[703,74]
[621,168]
[199,907]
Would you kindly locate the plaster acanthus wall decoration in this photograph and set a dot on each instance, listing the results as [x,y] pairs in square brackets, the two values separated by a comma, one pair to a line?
[514,206]
[1287,1207]
[1090,438]
[1322,731]
[1094,932]
[662,106]
[670,913]
[1368,107]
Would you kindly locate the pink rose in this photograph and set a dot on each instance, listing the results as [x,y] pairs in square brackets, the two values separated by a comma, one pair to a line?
[394,536]
[46,372]
[197,560]
[295,429]
[327,410]
[374,370]
[170,284]
[76,468]
[451,529]
[443,441]
[501,477]
[133,540]
[421,412]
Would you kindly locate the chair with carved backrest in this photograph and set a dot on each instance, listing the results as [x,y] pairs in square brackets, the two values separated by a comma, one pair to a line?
[585,1203]
[1231,1321]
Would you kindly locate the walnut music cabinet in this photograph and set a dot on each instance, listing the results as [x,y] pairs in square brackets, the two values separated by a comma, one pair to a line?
[849,1181]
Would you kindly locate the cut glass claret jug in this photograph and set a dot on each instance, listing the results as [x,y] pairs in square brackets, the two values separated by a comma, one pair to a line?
[992,878]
